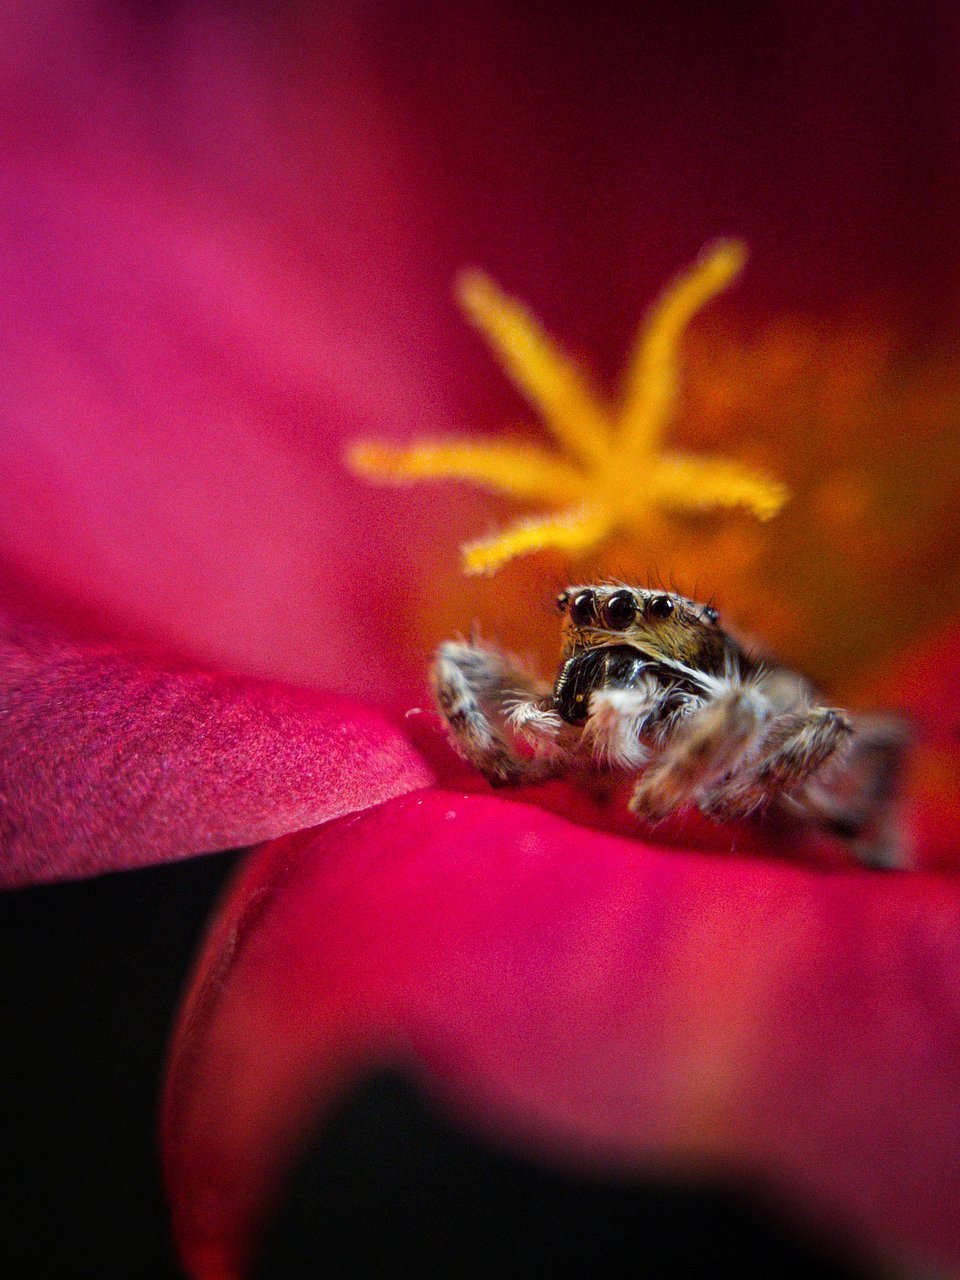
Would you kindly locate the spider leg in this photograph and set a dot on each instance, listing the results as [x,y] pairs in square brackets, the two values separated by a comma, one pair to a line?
[616,721]
[480,691]
[708,742]
[796,746]
[857,801]
[534,720]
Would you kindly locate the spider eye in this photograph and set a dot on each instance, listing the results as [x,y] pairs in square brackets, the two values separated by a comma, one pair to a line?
[581,609]
[659,607]
[563,599]
[619,611]
[711,615]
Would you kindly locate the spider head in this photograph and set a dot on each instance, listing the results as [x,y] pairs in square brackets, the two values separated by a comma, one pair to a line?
[660,623]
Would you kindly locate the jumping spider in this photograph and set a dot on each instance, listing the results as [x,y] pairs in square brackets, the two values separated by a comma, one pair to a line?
[651,684]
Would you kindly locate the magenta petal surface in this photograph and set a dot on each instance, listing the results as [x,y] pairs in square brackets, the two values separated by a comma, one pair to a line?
[205,283]
[108,762]
[228,234]
[591,997]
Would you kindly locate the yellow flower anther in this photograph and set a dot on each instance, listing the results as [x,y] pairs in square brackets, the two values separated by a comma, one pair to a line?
[611,473]
[538,367]
[652,381]
[571,531]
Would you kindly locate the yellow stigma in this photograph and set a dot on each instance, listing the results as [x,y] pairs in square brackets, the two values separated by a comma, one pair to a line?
[610,473]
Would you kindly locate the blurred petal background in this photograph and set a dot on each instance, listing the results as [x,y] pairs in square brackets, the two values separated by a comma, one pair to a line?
[228,234]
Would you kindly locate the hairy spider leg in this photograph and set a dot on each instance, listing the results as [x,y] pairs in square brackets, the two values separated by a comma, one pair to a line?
[797,745]
[710,741]
[481,690]
[859,802]
[617,718]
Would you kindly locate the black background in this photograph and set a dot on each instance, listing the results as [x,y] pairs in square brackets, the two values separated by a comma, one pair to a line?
[92,974]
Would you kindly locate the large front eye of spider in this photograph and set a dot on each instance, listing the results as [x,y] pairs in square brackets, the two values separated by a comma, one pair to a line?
[581,609]
[619,610]
[659,607]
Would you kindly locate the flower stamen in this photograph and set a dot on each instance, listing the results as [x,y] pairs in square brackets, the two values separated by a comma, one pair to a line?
[538,367]
[610,475]
[652,381]
[571,531]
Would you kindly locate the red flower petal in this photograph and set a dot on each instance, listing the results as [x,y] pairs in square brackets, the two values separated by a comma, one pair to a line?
[107,762]
[592,996]
[201,306]
[923,682]
[227,238]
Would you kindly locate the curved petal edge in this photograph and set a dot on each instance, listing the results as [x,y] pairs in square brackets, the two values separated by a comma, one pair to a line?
[107,761]
[593,998]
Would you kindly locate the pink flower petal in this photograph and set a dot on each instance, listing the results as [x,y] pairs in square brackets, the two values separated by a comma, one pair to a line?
[206,270]
[592,997]
[109,762]
[227,236]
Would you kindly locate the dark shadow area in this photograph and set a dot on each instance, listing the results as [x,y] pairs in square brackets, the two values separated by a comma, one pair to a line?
[92,974]
[391,1188]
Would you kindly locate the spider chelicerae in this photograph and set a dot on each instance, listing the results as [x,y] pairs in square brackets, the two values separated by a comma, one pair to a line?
[650,684]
